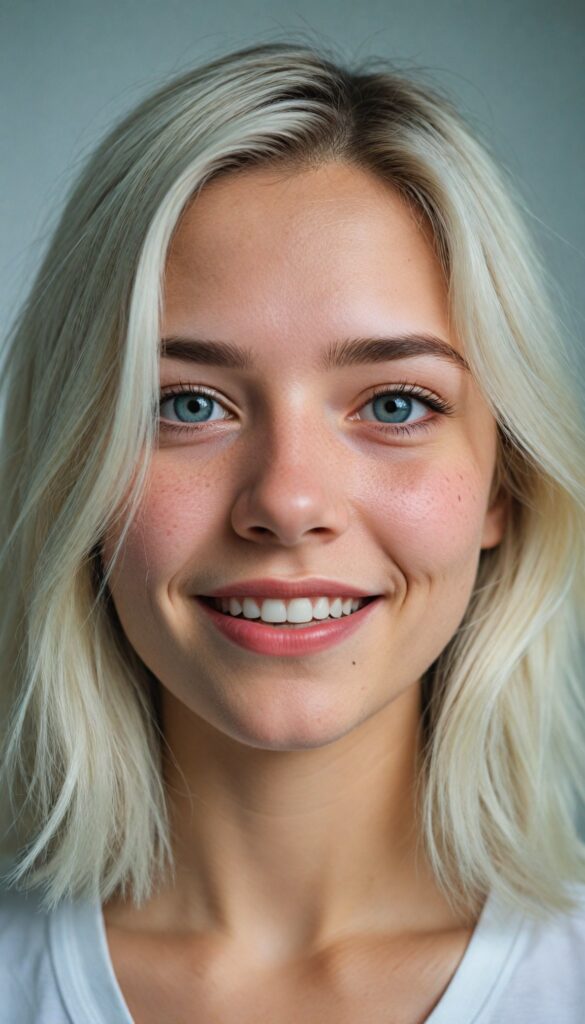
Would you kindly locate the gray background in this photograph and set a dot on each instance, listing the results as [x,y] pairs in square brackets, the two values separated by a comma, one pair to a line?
[68,68]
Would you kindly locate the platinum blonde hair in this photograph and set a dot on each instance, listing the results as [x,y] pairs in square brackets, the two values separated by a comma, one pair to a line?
[81,762]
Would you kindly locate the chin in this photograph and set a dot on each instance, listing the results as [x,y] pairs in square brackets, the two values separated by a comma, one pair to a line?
[286,729]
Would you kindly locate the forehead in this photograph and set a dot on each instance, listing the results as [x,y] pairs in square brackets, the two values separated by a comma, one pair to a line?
[323,252]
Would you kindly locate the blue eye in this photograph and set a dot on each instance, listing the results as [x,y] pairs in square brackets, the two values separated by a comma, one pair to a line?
[192,407]
[393,408]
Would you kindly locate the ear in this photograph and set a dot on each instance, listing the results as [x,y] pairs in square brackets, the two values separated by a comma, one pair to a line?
[496,518]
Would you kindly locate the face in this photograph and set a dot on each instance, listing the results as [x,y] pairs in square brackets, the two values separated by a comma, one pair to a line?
[375,474]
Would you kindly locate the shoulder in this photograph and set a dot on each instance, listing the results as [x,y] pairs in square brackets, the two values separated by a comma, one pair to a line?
[27,979]
[23,928]
[547,981]
[558,943]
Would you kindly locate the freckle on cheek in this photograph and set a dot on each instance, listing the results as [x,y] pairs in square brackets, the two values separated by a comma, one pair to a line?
[425,514]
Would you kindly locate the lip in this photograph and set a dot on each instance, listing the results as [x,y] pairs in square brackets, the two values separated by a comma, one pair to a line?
[265,639]
[313,586]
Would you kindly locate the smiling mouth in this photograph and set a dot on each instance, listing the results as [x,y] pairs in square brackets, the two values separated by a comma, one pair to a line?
[259,612]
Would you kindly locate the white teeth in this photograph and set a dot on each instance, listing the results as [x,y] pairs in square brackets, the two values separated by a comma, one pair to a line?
[250,608]
[321,608]
[299,610]
[273,611]
[296,611]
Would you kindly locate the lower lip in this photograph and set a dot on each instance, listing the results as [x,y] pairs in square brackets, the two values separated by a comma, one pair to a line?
[263,639]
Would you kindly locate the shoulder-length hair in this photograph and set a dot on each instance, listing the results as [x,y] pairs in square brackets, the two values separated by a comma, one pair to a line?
[81,769]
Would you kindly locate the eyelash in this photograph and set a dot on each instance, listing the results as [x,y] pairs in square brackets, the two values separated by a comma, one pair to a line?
[401,388]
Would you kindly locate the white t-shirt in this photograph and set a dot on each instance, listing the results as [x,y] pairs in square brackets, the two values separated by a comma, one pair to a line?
[55,968]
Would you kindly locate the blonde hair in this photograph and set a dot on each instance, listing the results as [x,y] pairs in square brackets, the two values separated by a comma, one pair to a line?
[85,810]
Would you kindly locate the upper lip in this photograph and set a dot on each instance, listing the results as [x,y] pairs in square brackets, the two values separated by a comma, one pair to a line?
[289,589]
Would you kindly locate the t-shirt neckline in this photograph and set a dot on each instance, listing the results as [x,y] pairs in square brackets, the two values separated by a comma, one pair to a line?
[491,955]
[92,995]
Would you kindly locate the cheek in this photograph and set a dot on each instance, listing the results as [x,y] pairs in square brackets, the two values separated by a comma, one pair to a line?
[429,517]
[177,522]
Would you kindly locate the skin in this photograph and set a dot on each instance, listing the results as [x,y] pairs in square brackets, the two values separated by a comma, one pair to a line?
[291,781]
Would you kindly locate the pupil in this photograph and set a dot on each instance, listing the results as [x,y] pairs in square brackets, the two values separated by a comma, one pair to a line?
[392,407]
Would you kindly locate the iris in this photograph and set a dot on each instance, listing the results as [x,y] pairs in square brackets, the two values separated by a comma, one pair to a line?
[385,406]
[196,405]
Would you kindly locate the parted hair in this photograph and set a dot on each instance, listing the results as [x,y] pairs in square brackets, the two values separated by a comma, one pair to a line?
[501,772]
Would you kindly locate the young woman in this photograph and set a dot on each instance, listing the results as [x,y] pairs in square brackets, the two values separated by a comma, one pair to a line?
[292,552]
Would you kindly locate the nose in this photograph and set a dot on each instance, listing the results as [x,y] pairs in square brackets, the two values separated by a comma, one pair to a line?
[294,489]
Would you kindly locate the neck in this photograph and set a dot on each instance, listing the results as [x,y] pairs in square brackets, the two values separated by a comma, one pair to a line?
[287,850]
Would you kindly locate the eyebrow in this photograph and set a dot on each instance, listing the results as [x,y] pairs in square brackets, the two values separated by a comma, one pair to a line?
[349,352]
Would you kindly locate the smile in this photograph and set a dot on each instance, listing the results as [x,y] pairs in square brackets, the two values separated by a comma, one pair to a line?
[297,612]
[287,638]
